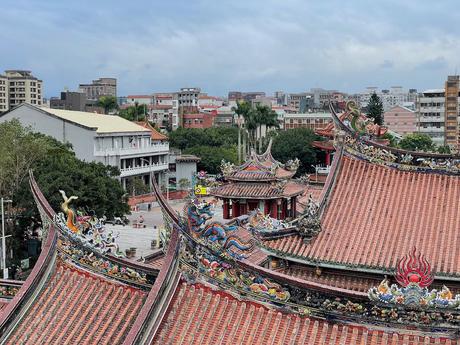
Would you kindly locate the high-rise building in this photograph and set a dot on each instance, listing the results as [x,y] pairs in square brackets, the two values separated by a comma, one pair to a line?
[19,86]
[4,96]
[430,113]
[451,111]
[100,87]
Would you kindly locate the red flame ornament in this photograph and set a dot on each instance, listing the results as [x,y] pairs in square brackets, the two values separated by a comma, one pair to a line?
[414,268]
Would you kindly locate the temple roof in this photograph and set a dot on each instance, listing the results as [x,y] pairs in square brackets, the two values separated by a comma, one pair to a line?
[76,307]
[261,168]
[259,190]
[200,315]
[375,214]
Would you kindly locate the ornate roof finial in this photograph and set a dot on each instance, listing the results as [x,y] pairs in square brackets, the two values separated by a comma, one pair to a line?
[413,268]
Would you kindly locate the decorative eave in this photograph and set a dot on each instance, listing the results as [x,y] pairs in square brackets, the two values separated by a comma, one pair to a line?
[257,190]
[366,148]
[260,168]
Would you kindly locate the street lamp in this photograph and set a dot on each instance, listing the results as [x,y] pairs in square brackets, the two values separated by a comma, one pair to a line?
[5,270]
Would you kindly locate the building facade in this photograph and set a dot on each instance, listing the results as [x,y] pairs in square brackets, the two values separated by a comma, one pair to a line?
[100,87]
[401,120]
[108,139]
[430,113]
[4,94]
[17,87]
[69,100]
[451,113]
[307,120]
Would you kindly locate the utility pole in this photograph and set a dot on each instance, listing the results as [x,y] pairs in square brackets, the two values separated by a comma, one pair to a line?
[5,270]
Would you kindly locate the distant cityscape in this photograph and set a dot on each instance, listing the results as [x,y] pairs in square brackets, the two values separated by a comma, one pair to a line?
[433,112]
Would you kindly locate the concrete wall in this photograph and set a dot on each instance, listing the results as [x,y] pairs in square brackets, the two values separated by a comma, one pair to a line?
[185,170]
[82,139]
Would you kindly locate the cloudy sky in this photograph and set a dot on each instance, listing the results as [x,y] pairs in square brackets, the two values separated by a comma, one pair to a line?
[219,45]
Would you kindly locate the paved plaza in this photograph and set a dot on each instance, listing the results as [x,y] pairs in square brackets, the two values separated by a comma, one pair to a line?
[140,238]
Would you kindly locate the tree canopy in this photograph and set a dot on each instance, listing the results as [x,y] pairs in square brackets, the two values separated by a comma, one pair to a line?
[55,168]
[184,138]
[136,112]
[296,143]
[211,157]
[375,109]
[109,103]
[417,142]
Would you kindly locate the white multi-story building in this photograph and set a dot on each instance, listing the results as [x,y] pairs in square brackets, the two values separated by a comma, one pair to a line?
[430,113]
[139,99]
[108,139]
[4,96]
[100,87]
[17,87]
[395,96]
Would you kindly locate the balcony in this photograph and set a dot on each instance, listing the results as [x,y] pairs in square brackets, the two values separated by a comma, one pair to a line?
[145,169]
[128,151]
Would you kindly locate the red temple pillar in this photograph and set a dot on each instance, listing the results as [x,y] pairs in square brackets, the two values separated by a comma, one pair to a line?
[273,209]
[226,209]
[267,207]
[235,210]
[293,207]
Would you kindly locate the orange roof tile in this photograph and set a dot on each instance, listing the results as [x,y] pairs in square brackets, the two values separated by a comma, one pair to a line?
[199,315]
[76,307]
[376,214]
[155,134]
[257,190]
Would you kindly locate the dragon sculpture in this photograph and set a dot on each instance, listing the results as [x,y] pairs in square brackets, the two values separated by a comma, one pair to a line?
[362,124]
[198,214]
[87,228]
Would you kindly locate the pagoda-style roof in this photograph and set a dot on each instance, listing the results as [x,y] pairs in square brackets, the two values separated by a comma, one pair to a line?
[378,203]
[254,190]
[259,168]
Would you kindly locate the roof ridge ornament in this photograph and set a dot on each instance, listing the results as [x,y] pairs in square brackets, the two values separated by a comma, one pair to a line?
[414,275]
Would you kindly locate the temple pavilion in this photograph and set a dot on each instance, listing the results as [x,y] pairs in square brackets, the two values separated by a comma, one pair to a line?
[260,183]
[374,261]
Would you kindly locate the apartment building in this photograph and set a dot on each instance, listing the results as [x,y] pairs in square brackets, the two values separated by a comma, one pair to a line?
[430,113]
[390,98]
[307,120]
[108,139]
[139,99]
[19,86]
[4,95]
[401,120]
[451,107]
[100,87]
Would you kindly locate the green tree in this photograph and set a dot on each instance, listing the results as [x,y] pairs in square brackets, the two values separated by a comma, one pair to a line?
[20,150]
[136,112]
[296,143]
[55,168]
[417,142]
[109,103]
[135,186]
[211,157]
[184,138]
[444,149]
[184,183]
[375,109]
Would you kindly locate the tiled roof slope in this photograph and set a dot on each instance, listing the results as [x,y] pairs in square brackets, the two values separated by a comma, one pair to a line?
[345,281]
[257,190]
[78,308]
[377,214]
[198,315]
